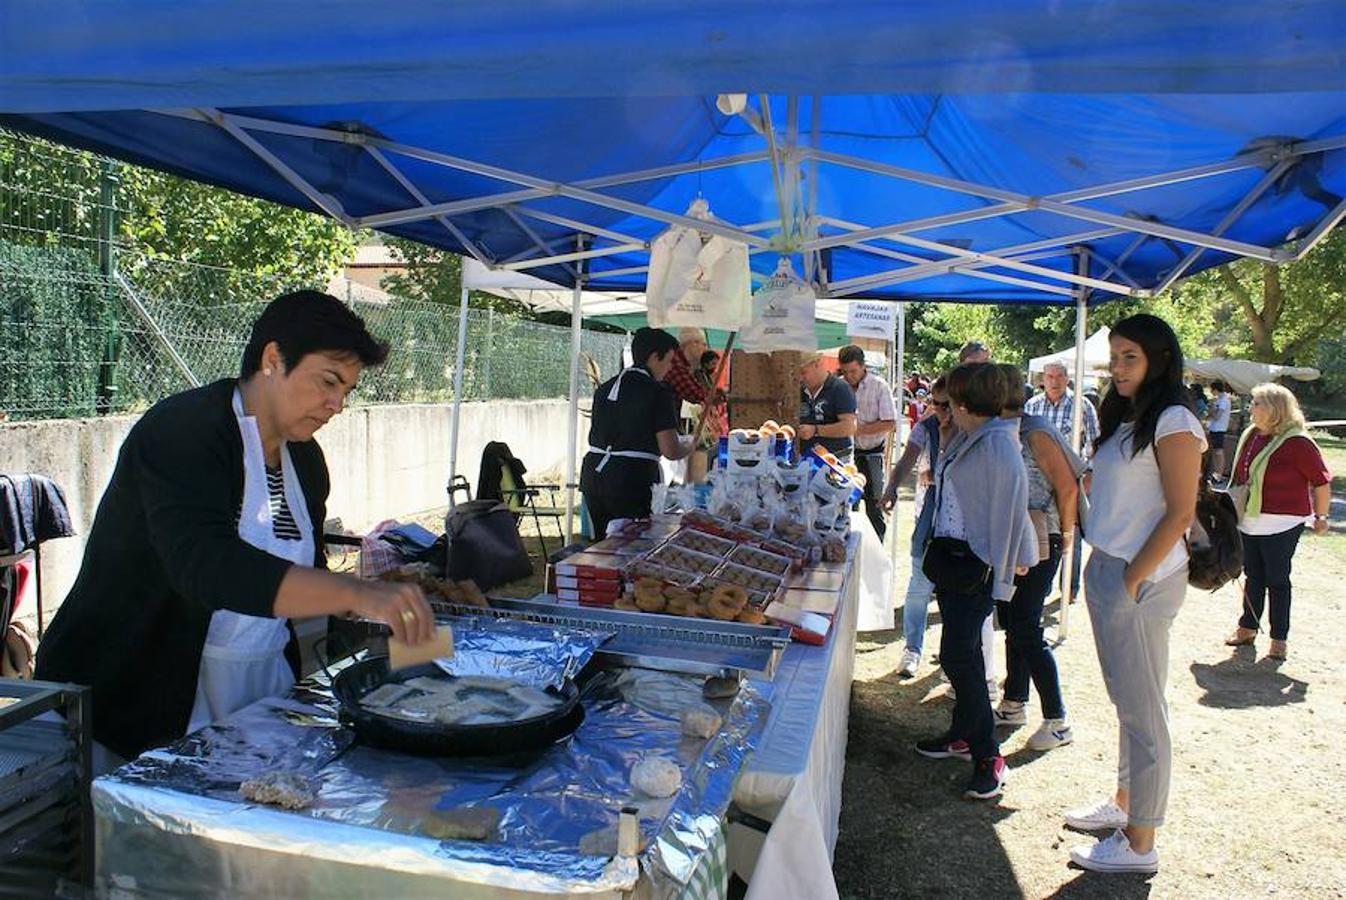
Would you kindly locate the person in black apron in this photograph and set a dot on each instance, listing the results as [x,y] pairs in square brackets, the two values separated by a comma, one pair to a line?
[634,423]
[208,541]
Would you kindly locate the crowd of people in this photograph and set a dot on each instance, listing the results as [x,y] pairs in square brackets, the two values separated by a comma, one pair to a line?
[999,491]
[1003,488]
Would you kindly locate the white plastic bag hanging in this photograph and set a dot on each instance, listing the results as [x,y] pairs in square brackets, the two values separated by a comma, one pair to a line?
[696,280]
[782,314]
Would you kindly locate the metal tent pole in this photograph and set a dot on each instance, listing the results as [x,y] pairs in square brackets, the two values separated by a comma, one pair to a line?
[572,424]
[458,389]
[1076,438]
[898,372]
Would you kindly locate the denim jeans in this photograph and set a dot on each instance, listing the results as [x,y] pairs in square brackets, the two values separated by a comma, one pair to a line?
[960,653]
[1026,651]
[1266,564]
[916,607]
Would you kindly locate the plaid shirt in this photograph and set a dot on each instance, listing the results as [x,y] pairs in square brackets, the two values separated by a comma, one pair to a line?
[681,380]
[1062,415]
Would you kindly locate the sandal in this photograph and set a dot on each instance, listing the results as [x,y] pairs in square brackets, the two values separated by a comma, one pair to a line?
[1242,637]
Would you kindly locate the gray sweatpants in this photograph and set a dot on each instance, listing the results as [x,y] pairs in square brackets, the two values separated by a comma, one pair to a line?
[1132,641]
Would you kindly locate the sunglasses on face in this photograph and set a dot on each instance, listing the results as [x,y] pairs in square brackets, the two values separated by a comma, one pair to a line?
[940,404]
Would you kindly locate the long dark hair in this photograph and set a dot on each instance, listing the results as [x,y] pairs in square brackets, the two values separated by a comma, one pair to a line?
[1161,388]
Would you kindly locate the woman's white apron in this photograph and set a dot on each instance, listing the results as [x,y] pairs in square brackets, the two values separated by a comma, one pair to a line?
[244,656]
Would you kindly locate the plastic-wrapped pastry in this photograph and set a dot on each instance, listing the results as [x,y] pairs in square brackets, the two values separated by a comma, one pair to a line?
[655,776]
[719,687]
[701,722]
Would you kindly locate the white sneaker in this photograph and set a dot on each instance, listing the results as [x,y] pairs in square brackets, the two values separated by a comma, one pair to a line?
[1052,733]
[1114,854]
[1103,814]
[1011,712]
[911,661]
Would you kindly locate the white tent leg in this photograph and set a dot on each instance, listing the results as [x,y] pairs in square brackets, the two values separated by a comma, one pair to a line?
[572,424]
[458,388]
[896,373]
[1076,442]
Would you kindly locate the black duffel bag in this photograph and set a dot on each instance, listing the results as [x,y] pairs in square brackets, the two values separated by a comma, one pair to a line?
[484,544]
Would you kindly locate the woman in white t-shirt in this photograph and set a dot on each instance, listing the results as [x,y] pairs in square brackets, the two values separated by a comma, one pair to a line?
[1146,468]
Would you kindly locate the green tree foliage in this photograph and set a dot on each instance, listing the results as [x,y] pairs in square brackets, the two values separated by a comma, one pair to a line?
[435,276]
[1283,312]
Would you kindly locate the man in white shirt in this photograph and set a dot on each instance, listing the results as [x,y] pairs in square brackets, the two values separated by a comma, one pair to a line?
[876,417]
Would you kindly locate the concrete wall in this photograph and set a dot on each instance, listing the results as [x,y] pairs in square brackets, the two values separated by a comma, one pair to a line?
[385,462]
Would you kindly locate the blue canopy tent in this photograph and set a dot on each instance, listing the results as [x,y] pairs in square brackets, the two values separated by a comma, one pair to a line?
[974,151]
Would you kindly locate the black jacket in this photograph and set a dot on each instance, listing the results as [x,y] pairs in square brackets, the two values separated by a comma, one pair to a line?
[162,556]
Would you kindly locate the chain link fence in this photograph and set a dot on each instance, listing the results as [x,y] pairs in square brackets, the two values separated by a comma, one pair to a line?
[89,320]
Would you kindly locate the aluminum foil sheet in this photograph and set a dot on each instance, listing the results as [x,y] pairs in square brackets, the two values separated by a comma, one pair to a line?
[539,655]
[173,822]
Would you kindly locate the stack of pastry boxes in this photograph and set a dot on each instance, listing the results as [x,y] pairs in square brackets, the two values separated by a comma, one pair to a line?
[594,576]
[709,552]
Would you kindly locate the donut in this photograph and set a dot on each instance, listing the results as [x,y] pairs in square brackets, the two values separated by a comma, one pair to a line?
[732,594]
[752,616]
[626,604]
[680,606]
[649,583]
[650,601]
[788,431]
[722,609]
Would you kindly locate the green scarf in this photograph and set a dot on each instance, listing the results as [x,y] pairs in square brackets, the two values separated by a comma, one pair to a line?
[1258,468]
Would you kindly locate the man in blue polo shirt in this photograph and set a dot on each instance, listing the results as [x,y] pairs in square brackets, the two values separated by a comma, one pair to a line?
[826,411]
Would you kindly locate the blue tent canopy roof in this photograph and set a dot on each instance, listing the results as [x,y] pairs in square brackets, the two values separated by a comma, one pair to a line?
[963,151]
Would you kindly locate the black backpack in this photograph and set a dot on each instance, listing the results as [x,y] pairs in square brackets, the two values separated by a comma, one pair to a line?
[1214,547]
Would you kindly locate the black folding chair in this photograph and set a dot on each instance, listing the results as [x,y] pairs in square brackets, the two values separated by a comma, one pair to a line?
[515,492]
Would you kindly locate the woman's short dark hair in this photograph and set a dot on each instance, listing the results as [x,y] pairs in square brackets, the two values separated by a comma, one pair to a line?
[979,388]
[1161,388]
[1014,399]
[305,322]
[649,342]
[710,358]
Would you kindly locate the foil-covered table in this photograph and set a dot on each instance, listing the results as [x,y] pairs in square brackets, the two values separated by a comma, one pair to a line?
[793,780]
[172,823]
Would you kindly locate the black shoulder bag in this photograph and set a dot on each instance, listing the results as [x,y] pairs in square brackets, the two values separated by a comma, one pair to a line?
[949,562]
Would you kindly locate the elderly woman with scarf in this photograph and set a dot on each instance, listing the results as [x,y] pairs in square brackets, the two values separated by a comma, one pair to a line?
[1279,479]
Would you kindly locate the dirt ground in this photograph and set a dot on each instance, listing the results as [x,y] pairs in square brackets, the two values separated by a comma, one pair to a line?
[1256,807]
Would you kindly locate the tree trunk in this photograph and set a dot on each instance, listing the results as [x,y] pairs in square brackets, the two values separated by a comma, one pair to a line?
[1262,331]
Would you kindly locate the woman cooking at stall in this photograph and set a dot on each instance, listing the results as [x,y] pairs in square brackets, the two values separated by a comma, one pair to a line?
[208,541]
[634,422]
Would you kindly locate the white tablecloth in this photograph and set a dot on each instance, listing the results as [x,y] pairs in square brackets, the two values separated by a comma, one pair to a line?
[794,778]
